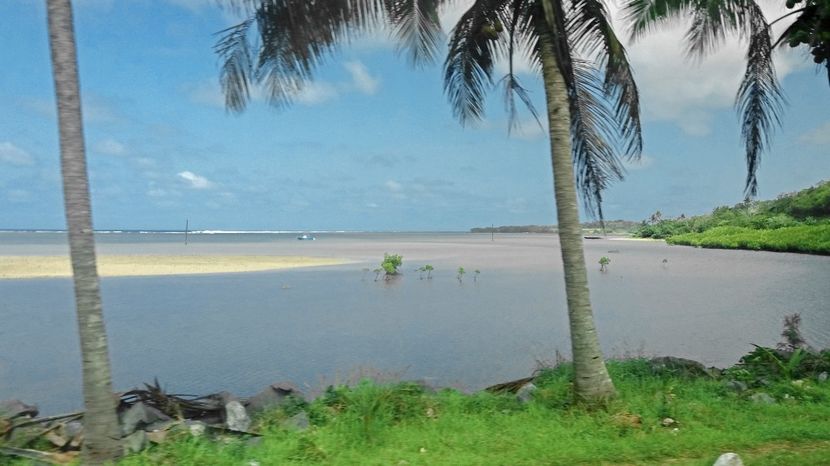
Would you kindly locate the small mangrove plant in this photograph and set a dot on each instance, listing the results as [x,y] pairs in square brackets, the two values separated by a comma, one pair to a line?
[460,274]
[390,264]
[603,263]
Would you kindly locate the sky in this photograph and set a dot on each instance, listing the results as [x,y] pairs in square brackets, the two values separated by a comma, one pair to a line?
[371,144]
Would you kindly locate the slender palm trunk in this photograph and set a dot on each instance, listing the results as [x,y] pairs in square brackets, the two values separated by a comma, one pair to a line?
[101,431]
[591,380]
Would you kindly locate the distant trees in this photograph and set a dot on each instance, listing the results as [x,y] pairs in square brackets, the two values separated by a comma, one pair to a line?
[101,430]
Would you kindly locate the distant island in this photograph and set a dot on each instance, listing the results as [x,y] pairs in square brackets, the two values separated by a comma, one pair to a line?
[611,227]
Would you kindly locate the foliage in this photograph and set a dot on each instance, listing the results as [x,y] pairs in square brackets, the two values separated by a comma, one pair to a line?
[390,263]
[403,423]
[603,263]
[797,222]
[460,274]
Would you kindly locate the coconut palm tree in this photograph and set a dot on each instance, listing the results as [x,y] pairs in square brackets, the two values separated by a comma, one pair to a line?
[759,99]
[592,112]
[101,431]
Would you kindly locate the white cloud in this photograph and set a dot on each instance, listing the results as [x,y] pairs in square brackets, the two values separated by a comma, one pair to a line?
[195,181]
[316,92]
[110,147]
[362,80]
[13,155]
[393,186]
[818,136]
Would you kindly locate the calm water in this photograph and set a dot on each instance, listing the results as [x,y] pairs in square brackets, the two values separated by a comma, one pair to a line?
[240,332]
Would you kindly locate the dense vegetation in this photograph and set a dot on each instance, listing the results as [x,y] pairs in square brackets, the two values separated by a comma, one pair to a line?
[611,226]
[796,222]
[757,409]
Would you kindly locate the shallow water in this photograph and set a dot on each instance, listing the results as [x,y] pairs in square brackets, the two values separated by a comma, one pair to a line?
[240,332]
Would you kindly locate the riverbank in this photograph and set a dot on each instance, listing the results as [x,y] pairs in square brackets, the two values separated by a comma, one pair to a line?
[663,415]
[811,239]
[25,267]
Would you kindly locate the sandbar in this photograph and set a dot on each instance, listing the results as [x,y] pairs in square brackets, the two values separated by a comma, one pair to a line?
[23,267]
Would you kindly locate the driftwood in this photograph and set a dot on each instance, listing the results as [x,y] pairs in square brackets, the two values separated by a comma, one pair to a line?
[39,456]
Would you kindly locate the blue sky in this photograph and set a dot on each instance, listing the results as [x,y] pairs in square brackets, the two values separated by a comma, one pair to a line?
[371,145]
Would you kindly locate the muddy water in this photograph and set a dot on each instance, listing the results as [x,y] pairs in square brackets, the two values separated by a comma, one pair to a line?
[239,332]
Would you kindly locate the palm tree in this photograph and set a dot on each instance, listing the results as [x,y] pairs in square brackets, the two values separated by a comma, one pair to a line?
[101,431]
[759,99]
[591,112]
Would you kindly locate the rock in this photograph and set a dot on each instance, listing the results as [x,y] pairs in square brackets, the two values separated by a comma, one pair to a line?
[821,378]
[11,409]
[74,431]
[157,436]
[134,442]
[236,418]
[525,393]
[668,422]
[272,397]
[138,416]
[678,367]
[299,421]
[762,398]
[729,459]
[196,428]
[736,385]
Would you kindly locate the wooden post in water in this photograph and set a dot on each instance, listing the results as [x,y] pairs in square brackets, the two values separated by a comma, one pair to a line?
[186,228]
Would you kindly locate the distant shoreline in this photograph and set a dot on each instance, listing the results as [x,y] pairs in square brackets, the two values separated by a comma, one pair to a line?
[29,267]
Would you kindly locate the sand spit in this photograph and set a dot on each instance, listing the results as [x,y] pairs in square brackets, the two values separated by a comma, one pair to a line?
[21,267]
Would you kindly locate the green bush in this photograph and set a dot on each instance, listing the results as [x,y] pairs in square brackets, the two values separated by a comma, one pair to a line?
[390,263]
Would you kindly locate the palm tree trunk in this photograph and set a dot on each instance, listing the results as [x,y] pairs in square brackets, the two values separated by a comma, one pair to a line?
[101,430]
[592,383]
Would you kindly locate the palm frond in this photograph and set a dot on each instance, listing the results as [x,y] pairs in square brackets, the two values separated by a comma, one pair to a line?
[234,52]
[417,27]
[520,38]
[294,36]
[759,99]
[468,69]
[593,127]
[644,16]
[592,33]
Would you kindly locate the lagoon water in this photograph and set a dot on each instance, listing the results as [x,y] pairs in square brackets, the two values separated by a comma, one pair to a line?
[240,332]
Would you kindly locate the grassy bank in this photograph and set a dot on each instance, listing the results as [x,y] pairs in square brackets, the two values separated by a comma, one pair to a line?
[794,222]
[813,239]
[404,424]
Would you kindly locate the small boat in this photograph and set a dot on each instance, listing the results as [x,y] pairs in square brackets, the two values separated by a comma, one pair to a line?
[306,236]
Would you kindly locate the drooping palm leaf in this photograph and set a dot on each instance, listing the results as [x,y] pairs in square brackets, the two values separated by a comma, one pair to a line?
[591,32]
[417,27]
[759,100]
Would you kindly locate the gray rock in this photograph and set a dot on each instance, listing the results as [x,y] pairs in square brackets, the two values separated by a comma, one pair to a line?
[526,392]
[729,459]
[134,442]
[736,385]
[762,398]
[272,397]
[821,378]
[11,409]
[678,367]
[196,428]
[236,418]
[139,415]
[297,422]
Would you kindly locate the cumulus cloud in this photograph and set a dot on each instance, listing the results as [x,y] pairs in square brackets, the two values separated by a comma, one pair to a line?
[13,155]
[316,92]
[195,181]
[110,147]
[818,136]
[362,80]
[393,186]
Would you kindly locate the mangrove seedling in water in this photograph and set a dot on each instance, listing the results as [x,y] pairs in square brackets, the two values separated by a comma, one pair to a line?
[475,277]
[429,270]
[377,273]
[421,271]
[603,263]
[461,273]
[390,264]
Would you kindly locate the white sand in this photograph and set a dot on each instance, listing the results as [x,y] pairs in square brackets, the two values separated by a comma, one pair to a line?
[17,267]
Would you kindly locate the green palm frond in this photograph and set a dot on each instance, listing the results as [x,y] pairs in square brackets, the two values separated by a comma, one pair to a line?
[468,69]
[591,33]
[417,27]
[644,16]
[759,100]
[235,76]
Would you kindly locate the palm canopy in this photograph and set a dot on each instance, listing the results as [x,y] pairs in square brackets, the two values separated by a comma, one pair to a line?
[759,99]
[292,37]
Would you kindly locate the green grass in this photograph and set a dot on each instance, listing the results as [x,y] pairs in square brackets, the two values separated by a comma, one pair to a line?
[401,424]
[814,239]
